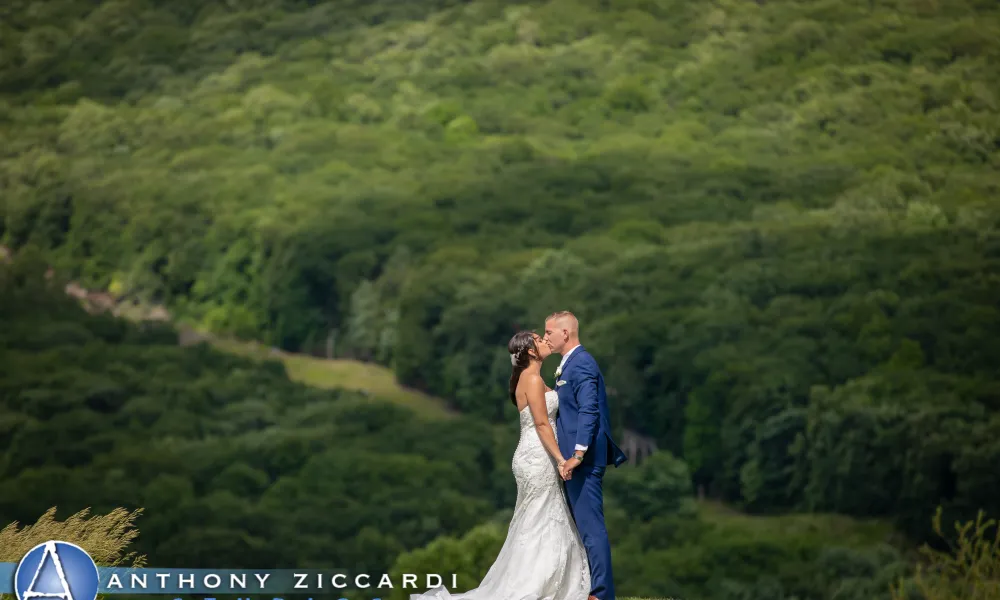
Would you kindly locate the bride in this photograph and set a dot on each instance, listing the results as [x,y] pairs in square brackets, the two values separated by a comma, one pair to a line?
[542,557]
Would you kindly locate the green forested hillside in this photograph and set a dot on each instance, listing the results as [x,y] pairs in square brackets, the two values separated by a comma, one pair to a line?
[236,466]
[233,463]
[777,220]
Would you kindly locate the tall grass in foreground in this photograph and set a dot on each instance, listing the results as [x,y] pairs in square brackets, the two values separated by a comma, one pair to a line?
[104,537]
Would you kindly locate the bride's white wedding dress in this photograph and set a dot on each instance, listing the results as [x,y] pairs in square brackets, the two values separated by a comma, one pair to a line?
[542,557]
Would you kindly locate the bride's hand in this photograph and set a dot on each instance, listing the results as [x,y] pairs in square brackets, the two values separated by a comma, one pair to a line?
[560,463]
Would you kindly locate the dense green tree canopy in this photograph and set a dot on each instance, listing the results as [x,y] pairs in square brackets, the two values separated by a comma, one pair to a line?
[778,222]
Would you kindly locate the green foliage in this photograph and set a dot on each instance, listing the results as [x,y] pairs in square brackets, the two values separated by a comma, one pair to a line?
[721,555]
[968,570]
[659,487]
[233,463]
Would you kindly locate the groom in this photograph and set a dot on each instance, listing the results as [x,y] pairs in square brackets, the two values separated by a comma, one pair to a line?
[584,429]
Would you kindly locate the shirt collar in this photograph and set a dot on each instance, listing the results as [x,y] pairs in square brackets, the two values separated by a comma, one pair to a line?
[566,356]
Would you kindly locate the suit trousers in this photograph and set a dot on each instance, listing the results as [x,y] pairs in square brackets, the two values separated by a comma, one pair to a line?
[585,493]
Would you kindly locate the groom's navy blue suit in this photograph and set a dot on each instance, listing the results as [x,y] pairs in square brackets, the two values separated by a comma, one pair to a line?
[584,419]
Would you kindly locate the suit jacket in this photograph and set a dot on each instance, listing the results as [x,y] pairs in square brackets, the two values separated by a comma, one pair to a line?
[584,417]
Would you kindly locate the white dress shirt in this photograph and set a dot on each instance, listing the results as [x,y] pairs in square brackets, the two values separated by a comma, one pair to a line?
[566,356]
[561,364]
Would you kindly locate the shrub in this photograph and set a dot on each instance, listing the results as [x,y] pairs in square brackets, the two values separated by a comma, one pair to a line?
[968,570]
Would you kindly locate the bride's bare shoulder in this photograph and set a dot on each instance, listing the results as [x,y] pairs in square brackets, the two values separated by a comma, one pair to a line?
[531,383]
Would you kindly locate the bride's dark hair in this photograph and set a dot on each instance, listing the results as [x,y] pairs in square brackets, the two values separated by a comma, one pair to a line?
[520,347]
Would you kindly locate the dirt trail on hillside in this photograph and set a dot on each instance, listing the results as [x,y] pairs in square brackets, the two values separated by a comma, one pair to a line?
[99,301]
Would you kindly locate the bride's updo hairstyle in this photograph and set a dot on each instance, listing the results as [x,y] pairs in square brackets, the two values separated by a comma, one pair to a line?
[520,347]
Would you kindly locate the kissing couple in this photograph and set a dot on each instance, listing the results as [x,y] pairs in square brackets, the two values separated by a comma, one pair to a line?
[557,544]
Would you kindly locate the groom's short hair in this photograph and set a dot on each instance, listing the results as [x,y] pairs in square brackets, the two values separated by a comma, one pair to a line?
[573,324]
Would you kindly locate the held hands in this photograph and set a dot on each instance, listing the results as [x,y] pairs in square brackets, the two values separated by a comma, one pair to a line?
[566,467]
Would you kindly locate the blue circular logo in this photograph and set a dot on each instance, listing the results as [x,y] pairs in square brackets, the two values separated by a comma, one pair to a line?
[56,570]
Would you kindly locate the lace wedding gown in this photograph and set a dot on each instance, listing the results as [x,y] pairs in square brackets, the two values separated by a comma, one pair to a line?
[542,557]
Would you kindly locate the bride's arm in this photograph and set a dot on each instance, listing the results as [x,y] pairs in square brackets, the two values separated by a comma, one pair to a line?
[539,412]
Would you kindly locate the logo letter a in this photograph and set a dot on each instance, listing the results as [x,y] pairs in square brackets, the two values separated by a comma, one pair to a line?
[51,553]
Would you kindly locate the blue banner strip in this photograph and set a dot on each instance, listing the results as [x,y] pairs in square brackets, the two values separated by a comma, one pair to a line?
[7,577]
[127,580]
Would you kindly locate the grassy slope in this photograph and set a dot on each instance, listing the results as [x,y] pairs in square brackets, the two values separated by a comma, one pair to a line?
[849,532]
[374,380]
